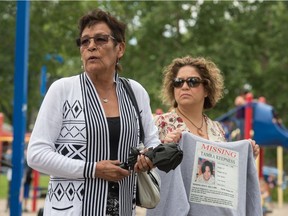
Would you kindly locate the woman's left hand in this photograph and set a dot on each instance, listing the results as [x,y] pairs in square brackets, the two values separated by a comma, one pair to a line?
[255,147]
[173,137]
[143,164]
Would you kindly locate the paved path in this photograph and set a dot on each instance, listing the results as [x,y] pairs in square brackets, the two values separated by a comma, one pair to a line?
[139,212]
[279,211]
[40,203]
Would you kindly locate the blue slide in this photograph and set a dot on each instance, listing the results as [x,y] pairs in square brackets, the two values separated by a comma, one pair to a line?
[267,132]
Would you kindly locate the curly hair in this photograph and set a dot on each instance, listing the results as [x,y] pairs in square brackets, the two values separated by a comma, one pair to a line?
[117,27]
[209,72]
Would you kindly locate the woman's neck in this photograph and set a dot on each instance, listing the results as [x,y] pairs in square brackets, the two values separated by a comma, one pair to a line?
[194,120]
[102,81]
[193,113]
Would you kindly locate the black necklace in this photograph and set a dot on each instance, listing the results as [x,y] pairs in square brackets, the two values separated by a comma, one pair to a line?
[199,129]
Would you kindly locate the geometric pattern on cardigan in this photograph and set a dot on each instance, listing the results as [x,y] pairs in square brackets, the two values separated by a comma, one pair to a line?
[72,140]
[75,109]
[59,192]
[73,132]
[75,151]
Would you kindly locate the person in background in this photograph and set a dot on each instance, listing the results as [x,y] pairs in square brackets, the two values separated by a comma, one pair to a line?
[86,126]
[262,99]
[158,111]
[8,158]
[28,171]
[239,102]
[276,119]
[272,183]
[265,194]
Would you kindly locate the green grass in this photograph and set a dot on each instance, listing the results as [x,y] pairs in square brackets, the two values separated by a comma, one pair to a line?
[275,195]
[43,183]
[3,186]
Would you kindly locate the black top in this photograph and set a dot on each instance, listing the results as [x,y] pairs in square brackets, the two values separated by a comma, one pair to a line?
[113,188]
[114,135]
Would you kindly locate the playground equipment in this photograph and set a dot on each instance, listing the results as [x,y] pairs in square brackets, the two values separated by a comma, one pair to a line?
[263,125]
[267,131]
[6,138]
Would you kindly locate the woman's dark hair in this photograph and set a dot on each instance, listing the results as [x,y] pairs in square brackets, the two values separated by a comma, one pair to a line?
[209,164]
[96,16]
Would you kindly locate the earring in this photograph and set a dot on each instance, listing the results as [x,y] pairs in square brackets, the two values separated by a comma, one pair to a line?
[82,67]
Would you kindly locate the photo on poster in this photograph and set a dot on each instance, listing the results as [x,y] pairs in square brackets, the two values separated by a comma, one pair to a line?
[206,171]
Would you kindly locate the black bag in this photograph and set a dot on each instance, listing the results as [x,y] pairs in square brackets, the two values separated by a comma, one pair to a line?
[40,212]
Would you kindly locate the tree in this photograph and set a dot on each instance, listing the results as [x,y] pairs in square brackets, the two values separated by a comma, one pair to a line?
[246,40]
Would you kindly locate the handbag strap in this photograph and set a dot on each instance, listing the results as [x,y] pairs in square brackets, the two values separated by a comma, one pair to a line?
[131,94]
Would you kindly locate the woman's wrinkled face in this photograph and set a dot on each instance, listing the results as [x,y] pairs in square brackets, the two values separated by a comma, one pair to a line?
[185,94]
[98,50]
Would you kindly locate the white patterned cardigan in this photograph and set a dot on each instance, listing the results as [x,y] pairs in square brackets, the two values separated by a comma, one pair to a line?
[71,134]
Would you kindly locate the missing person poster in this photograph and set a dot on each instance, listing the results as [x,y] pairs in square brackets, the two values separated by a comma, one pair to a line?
[215,176]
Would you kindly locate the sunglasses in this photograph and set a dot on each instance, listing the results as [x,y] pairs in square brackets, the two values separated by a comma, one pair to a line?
[192,82]
[99,40]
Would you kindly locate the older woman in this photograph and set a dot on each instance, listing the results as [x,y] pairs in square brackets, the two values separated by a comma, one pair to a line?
[86,126]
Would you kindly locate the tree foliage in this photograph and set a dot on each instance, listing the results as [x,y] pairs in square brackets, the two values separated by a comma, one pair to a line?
[247,40]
